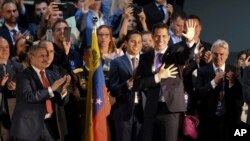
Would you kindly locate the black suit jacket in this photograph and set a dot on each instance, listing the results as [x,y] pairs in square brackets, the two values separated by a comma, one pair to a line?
[4,32]
[153,15]
[12,68]
[120,72]
[209,96]
[30,110]
[172,88]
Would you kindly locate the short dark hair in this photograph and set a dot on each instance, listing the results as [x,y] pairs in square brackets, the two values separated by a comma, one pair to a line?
[128,36]
[192,16]
[146,32]
[39,2]
[8,1]
[178,13]
[34,48]
[158,26]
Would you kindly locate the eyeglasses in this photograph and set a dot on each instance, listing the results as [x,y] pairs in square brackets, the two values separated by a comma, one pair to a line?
[103,35]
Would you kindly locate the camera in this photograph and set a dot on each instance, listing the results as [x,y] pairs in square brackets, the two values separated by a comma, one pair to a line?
[136,8]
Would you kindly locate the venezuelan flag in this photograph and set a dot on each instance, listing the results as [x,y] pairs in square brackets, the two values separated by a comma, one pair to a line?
[98,106]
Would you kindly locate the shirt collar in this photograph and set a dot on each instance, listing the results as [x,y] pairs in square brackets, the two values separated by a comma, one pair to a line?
[37,70]
[11,28]
[131,56]
[162,52]
[164,4]
[222,67]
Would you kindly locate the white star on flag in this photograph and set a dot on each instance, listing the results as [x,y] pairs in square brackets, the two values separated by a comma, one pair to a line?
[99,101]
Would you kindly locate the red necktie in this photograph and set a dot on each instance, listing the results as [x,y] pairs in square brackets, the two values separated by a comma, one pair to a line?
[46,85]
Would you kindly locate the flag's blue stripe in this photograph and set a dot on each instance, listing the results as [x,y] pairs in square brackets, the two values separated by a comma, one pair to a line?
[98,84]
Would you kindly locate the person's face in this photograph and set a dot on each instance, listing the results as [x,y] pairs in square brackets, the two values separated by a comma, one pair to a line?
[39,58]
[134,44]
[197,28]
[41,9]
[21,46]
[132,23]
[177,26]
[58,34]
[241,59]
[147,42]
[50,50]
[4,49]
[95,6]
[103,37]
[10,13]
[161,38]
[219,55]
[55,16]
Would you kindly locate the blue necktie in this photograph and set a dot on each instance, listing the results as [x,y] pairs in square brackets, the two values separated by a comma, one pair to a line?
[162,14]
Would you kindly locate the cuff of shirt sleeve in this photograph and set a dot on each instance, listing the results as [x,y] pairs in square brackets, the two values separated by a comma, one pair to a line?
[213,84]
[50,92]
[190,44]
[62,96]
[157,80]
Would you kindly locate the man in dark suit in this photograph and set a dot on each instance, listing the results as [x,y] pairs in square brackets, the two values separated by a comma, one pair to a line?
[201,58]
[10,29]
[40,92]
[127,112]
[220,96]
[165,96]
[159,8]
[177,24]
[9,69]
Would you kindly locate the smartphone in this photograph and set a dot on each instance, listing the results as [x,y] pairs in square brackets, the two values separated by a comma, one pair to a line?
[49,36]
[67,33]
[61,6]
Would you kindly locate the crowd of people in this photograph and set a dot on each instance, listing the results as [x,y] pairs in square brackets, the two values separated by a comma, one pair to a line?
[157,70]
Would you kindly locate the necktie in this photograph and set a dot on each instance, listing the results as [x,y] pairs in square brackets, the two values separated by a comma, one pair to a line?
[162,14]
[158,62]
[221,104]
[134,64]
[46,85]
[13,34]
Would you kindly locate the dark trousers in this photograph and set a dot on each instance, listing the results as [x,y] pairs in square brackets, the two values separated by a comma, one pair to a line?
[164,127]
[130,130]
[45,136]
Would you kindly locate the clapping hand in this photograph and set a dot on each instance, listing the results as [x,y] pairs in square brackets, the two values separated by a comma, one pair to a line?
[230,77]
[246,62]
[66,84]
[4,79]
[190,24]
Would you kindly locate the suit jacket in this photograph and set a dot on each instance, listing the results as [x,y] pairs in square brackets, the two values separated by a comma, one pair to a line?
[188,76]
[4,32]
[120,72]
[209,96]
[246,90]
[30,110]
[152,13]
[172,88]
[12,68]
